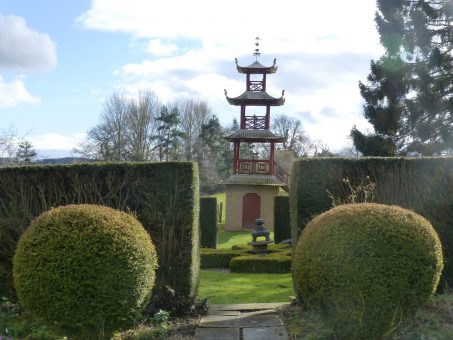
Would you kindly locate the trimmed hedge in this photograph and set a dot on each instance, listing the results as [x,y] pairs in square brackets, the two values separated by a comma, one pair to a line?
[272,263]
[282,221]
[221,258]
[218,258]
[424,185]
[88,269]
[366,267]
[208,222]
[163,196]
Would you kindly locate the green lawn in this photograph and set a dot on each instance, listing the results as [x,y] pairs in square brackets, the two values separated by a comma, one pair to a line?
[220,287]
[224,287]
[227,239]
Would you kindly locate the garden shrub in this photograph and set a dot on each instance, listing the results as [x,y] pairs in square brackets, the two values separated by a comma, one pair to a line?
[89,269]
[282,221]
[424,185]
[270,263]
[208,222]
[218,258]
[163,196]
[365,267]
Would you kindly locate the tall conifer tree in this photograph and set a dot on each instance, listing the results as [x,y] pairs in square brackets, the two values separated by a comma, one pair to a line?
[408,96]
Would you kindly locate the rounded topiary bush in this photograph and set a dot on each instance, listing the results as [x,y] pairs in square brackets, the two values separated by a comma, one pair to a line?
[89,269]
[365,267]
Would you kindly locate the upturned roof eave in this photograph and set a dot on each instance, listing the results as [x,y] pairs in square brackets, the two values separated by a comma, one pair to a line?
[256,102]
[256,68]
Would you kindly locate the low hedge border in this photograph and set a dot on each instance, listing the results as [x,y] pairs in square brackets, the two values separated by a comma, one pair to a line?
[279,256]
[218,258]
[273,263]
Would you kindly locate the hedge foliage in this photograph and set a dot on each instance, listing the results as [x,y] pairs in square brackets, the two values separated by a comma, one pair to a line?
[88,269]
[365,267]
[277,261]
[282,221]
[163,196]
[218,258]
[424,185]
[208,222]
[271,263]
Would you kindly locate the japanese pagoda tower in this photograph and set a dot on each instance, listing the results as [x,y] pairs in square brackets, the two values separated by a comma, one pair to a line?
[250,190]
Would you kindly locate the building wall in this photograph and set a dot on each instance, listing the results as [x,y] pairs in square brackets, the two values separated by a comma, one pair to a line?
[234,196]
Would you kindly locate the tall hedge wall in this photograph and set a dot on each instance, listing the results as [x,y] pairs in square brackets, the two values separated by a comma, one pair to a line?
[163,196]
[424,185]
[208,222]
[282,222]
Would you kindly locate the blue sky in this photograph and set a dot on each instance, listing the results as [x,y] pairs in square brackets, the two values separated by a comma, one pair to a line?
[59,60]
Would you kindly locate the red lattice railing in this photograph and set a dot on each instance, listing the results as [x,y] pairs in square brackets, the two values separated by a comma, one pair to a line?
[256,86]
[281,174]
[255,122]
[253,167]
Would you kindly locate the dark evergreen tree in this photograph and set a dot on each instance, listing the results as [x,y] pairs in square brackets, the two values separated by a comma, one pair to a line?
[168,135]
[409,89]
[215,157]
[25,152]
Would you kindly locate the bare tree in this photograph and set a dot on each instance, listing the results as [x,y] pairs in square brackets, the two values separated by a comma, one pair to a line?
[193,114]
[291,130]
[141,125]
[8,145]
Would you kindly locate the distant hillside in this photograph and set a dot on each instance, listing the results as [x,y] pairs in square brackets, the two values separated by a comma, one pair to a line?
[48,161]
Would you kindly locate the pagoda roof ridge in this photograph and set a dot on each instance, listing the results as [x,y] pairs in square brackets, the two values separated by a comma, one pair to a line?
[255,135]
[256,98]
[245,179]
[256,67]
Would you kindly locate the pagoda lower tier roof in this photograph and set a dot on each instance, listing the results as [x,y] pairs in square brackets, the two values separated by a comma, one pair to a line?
[256,98]
[256,68]
[240,179]
[251,135]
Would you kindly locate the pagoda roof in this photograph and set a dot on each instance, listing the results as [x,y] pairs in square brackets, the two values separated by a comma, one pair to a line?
[256,98]
[241,179]
[251,135]
[256,68]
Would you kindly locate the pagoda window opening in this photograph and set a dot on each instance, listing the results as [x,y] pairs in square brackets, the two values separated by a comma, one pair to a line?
[256,82]
[257,120]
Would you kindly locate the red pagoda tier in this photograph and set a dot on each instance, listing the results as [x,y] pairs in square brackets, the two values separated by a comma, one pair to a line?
[255,181]
[255,129]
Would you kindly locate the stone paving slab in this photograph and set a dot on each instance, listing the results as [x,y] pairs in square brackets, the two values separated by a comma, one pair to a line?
[249,306]
[217,334]
[241,321]
[224,312]
[265,333]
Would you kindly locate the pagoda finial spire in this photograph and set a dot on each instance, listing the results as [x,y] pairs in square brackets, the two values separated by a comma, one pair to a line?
[257,48]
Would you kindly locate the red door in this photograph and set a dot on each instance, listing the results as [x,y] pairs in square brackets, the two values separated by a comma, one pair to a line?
[251,210]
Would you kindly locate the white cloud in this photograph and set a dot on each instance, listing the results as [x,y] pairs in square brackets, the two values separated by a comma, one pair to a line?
[57,141]
[15,93]
[156,48]
[323,49]
[23,48]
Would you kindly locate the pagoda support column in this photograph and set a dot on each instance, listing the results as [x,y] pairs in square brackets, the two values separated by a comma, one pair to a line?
[268,117]
[242,116]
[236,147]
[271,165]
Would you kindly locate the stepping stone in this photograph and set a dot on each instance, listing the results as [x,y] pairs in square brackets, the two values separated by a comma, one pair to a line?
[253,320]
[249,306]
[218,321]
[224,312]
[265,333]
[217,334]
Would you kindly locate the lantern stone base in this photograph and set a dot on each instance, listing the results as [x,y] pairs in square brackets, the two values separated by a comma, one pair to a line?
[260,247]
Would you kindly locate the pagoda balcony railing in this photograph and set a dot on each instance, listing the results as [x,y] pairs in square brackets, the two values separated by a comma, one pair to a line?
[281,174]
[256,86]
[253,167]
[255,122]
